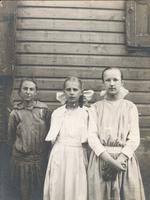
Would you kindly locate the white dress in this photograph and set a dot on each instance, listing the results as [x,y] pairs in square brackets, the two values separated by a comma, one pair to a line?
[66,172]
[115,130]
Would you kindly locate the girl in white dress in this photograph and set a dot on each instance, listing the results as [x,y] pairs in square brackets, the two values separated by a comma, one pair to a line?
[113,170]
[66,172]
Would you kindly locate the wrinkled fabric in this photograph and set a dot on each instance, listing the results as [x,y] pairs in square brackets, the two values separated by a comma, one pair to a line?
[27,130]
[57,120]
[28,127]
[66,172]
[127,185]
[114,128]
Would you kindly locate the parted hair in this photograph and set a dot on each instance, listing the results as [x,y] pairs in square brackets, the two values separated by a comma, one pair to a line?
[26,79]
[110,68]
[75,79]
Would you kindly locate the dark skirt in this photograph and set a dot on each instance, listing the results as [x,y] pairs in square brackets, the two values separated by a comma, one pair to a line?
[28,173]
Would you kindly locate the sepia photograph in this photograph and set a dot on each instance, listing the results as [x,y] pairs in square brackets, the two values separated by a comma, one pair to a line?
[74,100]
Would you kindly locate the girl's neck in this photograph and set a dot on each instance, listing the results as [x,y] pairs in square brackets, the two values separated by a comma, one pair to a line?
[112,97]
[72,105]
[28,103]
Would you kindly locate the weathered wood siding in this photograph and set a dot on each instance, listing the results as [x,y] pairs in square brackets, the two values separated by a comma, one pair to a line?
[55,39]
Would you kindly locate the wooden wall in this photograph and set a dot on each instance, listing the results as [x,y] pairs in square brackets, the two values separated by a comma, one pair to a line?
[55,39]
[7,55]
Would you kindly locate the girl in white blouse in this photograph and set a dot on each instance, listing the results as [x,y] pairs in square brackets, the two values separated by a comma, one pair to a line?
[66,172]
[113,172]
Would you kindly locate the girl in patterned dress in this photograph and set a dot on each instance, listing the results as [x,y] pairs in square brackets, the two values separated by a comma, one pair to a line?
[27,129]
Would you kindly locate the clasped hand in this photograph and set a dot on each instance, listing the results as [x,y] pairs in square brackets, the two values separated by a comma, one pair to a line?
[121,162]
[113,166]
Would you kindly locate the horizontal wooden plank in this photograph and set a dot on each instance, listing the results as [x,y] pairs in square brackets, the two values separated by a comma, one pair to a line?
[70,13]
[45,96]
[55,105]
[96,85]
[143,109]
[69,60]
[66,36]
[57,84]
[50,96]
[144,122]
[76,4]
[139,98]
[69,48]
[144,133]
[82,72]
[74,25]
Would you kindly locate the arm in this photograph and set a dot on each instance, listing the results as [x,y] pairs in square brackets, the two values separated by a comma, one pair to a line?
[93,140]
[47,118]
[117,164]
[95,144]
[12,126]
[54,128]
[133,137]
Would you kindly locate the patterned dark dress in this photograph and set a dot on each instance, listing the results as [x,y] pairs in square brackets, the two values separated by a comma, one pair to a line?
[27,130]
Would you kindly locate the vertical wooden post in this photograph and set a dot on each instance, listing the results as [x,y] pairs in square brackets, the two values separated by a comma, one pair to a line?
[7,60]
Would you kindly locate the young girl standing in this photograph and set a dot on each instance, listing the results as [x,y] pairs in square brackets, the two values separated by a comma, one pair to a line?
[66,172]
[27,129]
[113,171]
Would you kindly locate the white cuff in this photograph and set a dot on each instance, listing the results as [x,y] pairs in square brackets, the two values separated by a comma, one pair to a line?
[127,151]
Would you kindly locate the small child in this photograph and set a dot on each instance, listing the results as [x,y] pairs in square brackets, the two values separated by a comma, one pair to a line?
[66,172]
[27,128]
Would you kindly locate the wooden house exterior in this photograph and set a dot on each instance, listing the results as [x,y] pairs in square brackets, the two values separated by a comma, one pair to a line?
[56,39]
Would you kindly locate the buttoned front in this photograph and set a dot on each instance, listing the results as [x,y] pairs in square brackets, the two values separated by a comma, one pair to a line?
[28,128]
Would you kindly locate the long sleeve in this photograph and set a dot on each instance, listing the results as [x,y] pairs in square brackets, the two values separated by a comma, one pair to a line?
[12,126]
[47,117]
[133,137]
[93,139]
[49,136]
[56,121]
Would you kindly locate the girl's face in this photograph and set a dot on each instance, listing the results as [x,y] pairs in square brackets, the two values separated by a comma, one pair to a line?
[28,91]
[112,82]
[72,91]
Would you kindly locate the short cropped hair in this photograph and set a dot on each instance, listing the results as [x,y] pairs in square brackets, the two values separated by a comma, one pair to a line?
[110,68]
